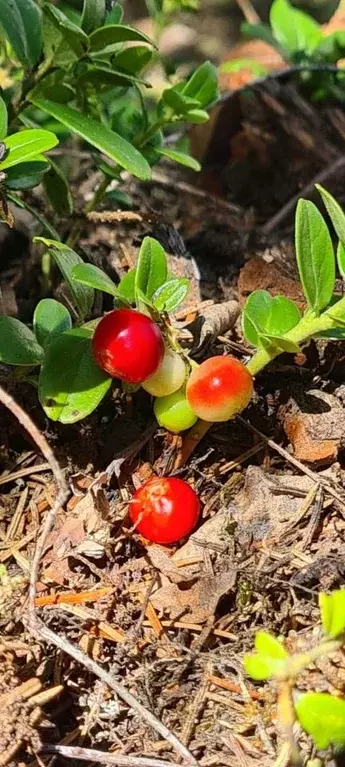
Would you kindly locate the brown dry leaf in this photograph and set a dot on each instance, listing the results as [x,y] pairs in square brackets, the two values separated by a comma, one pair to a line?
[213,322]
[314,421]
[198,601]
[164,563]
[257,274]
[214,532]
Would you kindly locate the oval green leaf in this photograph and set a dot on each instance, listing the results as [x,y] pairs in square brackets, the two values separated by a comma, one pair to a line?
[332,608]
[26,175]
[57,190]
[104,139]
[94,277]
[294,30]
[50,319]
[74,36]
[268,645]
[334,211]
[203,85]
[315,255]
[93,14]
[151,271]
[171,294]
[126,286]
[116,33]
[71,385]
[18,344]
[323,717]
[181,157]
[66,258]
[133,59]
[21,21]
[26,145]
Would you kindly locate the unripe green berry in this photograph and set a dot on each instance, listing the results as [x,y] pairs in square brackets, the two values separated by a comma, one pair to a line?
[173,412]
[169,376]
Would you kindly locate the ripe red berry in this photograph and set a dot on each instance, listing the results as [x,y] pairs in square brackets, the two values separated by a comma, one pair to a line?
[219,388]
[128,345]
[165,509]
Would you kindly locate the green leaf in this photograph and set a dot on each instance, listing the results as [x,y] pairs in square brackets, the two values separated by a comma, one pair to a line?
[284,344]
[50,319]
[93,15]
[116,33]
[113,145]
[174,99]
[171,294]
[3,119]
[133,59]
[151,271]
[94,277]
[341,259]
[203,85]
[334,211]
[262,32]
[44,223]
[107,75]
[21,21]
[264,315]
[71,385]
[126,286]
[26,145]
[332,608]
[18,345]
[196,116]
[323,717]
[115,15]
[57,190]
[236,65]
[26,175]
[331,48]
[294,30]
[74,36]
[181,158]
[268,645]
[315,255]
[66,258]
[269,658]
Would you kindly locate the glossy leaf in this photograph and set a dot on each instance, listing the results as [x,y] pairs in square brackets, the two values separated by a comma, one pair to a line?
[26,145]
[26,175]
[18,344]
[66,259]
[74,36]
[294,30]
[93,14]
[133,59]
[267,315]
[180,157]
[50,319]
[332,609]
[116,33]
[71,385]
[21,21]
[334,211]
[3,119]
[341,259]
[115,15]
[323,717]
[94,277]
[107,75]
[171,294]
[181,104]
[57,190]
[113,145]
[269,658]
[151,271]
[126,286]
[315,255]
[203,85]
[196,116]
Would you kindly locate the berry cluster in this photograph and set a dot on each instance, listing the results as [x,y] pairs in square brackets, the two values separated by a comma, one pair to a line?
[129,345]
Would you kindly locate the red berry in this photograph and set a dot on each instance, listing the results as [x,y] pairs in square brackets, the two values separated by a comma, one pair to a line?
[128,345]
[165,509]
[219,388]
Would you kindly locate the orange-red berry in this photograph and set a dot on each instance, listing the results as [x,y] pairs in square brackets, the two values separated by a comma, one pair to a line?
[219,388]
[165,509]
[128,345]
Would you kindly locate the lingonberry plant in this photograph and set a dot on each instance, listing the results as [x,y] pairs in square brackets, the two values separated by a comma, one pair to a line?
[137,342]
[321,715]
[302,43]
[82,74]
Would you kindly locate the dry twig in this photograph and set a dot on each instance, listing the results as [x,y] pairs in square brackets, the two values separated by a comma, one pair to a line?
[117,760]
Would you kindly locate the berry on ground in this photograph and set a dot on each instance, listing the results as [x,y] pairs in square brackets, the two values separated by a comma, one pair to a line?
[165,509]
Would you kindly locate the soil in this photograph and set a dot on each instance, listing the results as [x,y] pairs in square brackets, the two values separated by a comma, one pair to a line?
[171,625]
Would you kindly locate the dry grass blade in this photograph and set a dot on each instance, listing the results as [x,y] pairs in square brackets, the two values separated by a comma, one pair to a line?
[100,757]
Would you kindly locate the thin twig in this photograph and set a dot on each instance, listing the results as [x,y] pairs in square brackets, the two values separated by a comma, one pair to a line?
[67,647]
[289,207]
[117,760]
[248,11]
